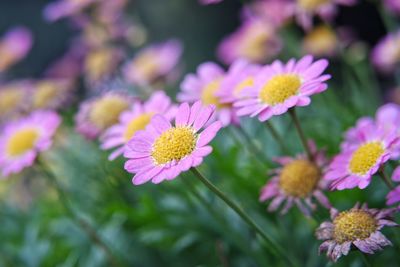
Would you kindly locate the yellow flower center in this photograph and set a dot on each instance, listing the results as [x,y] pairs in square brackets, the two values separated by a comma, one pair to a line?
[208,96]
[174,144]
[352,225]
[22,141]
[299,178]
[280,88]
[147,65]
[312,5]
[254,45]
[365,157]
[105,111]
[137,124]
[45,92]
[248,82]
[321,40]
[9,99]
[98,63]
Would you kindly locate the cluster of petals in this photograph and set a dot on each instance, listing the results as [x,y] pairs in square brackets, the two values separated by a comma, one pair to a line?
[386,54]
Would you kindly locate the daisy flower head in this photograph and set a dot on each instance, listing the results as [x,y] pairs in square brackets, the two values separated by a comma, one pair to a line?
[134,120]
[357,228]
[162,151]
[13,98]
[205,86]
[386,54]
[297,182]
[321,41]
[50,93]
[99,113]
[279,87]
[359,161]
[155,62]
[23,139]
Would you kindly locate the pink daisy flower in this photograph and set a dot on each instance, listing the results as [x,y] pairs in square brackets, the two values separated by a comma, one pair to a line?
[134,120]
[358,162]
[14,46]
[297,182]
[386,54]
[153,63]
[22,140]
[163,151]
[279,87]
[205,86]
[357,228]
[98,114]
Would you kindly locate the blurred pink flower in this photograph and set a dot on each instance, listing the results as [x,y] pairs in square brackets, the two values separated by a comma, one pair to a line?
[279,87]
[64,8]
[321,41]
[393,6]
[394,195]
[163,151]
[22,140]
[14,98]
[134,120]
[297,182]
[254,41]
[386,54]
[14,46]
[50,93]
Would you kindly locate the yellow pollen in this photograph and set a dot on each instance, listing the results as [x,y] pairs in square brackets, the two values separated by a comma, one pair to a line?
[365,157]
[208,96]
[248,82]
[45,92]
[105,111]
[147,65]
[312,5]
[98,63]
[255,42]
[22,141]
[137,124]
[9,99]
[174,144]
[321,40]
[299,178]
[352,225]
[280,88]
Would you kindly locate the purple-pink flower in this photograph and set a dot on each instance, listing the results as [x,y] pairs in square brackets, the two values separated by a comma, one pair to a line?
[386,54]
[22,140]
[357,228]
[297,182]
[394,195]
[162,151]
[392,6]
[64,8]
[134,120]
[279,87]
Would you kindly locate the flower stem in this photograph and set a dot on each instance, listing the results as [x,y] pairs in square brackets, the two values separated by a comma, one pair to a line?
[277,137]
[85,226]
[272,245]
[303,139]
[385,179]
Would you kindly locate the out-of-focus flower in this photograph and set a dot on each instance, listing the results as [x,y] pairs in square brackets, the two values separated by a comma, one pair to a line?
[358,162]
[386,54]
[325,9]
[50,93]
[153,63]
[321,41]
[13,98]
[393,6]
[209,2]
[101,63]
[22,140]
[162,151]
[394,195]
[358,228]
[273,12]
[279,87]
[254,41]
[98,114]
[297,182]
[204,86]
[110,12]
[393,95]
[136,120]
[14,46]
[65,8]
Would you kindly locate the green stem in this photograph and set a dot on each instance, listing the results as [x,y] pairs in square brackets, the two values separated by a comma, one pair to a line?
[272,245]
[385,179]
[277,137]
[303,139]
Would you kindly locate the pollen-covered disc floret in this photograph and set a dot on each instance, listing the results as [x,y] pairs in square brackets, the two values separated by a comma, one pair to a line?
[134,120]
[358,227]
[279,87]
[298,181]
[23,139]
[162,151]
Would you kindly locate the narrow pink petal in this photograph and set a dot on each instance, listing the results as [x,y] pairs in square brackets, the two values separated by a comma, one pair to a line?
[182,116]
[203,117]
[209,133]
[146,175]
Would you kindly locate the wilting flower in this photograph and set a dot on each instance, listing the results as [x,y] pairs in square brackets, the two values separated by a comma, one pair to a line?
[326,10]
[358,162]
[279,87]
[153,63]
[297,182]
[50,93]
[392,6]
[358,228]
[22,140]
[386,54]
[65,8]
[14,46]
[321,41]
[254,41]
[13,98]
[162,151]
[97,114]
[204,86]
[136,120]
